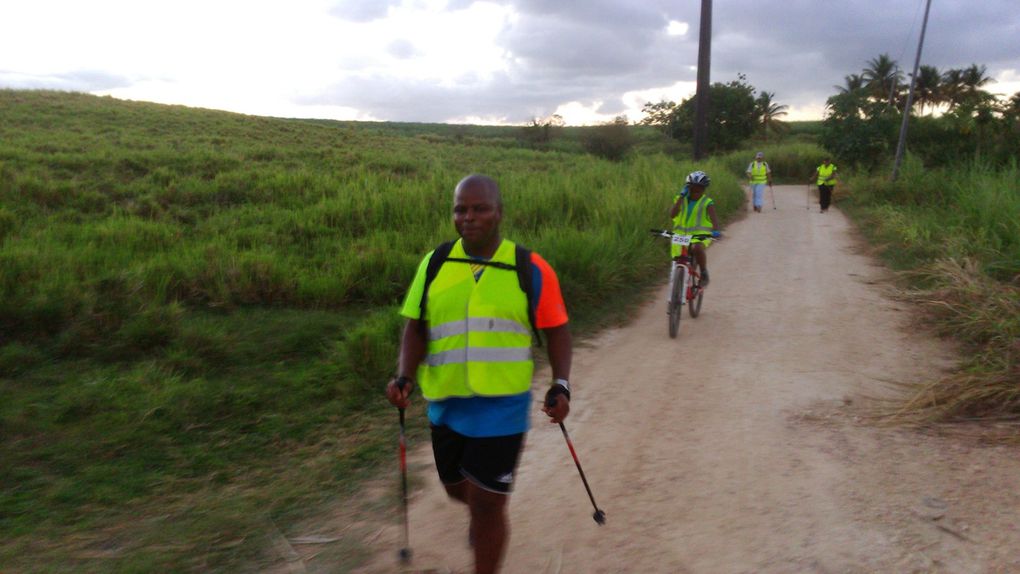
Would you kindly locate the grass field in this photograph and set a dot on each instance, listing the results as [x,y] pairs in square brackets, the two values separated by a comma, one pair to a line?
[198,309]
[954,232]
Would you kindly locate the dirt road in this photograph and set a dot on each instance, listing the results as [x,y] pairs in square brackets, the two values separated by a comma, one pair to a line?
[739,446]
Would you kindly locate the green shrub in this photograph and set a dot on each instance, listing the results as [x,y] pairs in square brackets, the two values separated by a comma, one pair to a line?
[612,140]
[792,163]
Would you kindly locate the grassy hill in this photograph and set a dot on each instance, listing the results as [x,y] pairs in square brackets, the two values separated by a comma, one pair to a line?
[198,308]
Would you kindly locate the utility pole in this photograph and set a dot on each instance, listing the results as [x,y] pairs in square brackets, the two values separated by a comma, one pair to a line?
[910,98]
[701,99]
[892,90]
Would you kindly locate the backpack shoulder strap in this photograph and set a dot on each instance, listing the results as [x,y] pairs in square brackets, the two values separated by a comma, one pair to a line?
[439,256]
[525,277]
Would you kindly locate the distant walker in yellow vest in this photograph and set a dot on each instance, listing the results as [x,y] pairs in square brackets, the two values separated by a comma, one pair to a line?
[825,179]
[759,174]
[470,354]
[694,214]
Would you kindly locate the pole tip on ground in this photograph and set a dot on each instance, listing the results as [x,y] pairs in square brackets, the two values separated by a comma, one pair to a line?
[405,555]
[600,517]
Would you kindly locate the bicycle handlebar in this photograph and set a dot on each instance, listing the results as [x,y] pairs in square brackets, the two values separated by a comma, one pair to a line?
[668,233]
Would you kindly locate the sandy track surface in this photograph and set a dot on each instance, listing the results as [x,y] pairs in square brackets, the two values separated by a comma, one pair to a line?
[740,446]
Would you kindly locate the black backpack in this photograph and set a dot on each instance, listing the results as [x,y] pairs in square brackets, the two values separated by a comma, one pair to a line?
[524,278]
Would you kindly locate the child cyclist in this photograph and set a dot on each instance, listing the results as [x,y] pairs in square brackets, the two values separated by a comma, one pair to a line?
[693,214]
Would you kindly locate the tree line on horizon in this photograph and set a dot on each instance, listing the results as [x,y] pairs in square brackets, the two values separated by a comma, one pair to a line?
[946,91]
[963,121]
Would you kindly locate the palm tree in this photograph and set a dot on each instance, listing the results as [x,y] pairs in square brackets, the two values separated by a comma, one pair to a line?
[769,112]
[1013,105]
[973,79]
[853,83]
[927,88]
[952,88]
[883,76]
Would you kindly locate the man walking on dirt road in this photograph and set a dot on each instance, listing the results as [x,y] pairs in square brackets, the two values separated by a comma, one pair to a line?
[759,173]
[470,313]
[825,179]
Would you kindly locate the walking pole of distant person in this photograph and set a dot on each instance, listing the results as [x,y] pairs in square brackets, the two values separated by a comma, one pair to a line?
[471,310]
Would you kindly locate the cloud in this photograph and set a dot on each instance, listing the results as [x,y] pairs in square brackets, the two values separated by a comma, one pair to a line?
[79,81]
[554,53]
[436,60]
[601,55]
[401,49]
[362,10]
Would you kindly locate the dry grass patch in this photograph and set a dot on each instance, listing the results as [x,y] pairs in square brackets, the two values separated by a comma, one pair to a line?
[985,314]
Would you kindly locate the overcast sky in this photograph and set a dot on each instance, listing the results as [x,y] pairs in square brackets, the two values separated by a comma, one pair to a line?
[497,61]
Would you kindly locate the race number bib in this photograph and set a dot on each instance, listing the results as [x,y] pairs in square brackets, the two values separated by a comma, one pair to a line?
[681,240]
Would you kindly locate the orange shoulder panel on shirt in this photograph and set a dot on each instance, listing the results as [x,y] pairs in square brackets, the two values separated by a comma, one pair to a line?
[550,312]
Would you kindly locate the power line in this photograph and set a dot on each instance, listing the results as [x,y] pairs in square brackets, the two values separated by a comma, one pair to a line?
[910,97]
[910,33]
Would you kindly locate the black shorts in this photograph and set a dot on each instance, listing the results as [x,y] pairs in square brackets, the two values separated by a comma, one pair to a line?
[489,462]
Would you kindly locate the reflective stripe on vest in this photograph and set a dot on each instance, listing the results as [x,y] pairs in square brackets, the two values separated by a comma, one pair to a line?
[825,173]
[476,324]
[759,172]
[479,341]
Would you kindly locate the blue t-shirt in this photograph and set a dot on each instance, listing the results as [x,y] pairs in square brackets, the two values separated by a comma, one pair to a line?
[483,416]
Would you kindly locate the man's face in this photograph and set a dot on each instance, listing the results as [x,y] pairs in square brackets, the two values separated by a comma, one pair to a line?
[476,215]
[696,190]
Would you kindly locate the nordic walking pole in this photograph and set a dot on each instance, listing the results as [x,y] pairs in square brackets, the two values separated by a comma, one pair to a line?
[599,515]
[405,550]
[807,198]
[773,193]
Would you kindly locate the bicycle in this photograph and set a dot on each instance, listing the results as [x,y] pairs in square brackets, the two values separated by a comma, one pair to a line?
[684,280]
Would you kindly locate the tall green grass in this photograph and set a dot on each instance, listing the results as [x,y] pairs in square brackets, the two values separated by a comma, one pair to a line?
[955,231]
[198,309]
[967,211]
[791,163]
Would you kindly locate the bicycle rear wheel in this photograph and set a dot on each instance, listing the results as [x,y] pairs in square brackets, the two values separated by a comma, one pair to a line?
[694,303]
[675,299]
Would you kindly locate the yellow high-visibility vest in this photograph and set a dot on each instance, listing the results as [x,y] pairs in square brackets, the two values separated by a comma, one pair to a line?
[759,172]
[479,340]
[825,174]
[692,220]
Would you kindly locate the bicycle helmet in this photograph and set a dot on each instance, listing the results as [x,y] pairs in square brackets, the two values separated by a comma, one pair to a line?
[698,178]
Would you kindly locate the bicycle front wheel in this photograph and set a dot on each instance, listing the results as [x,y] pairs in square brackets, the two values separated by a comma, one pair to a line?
[675,301]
